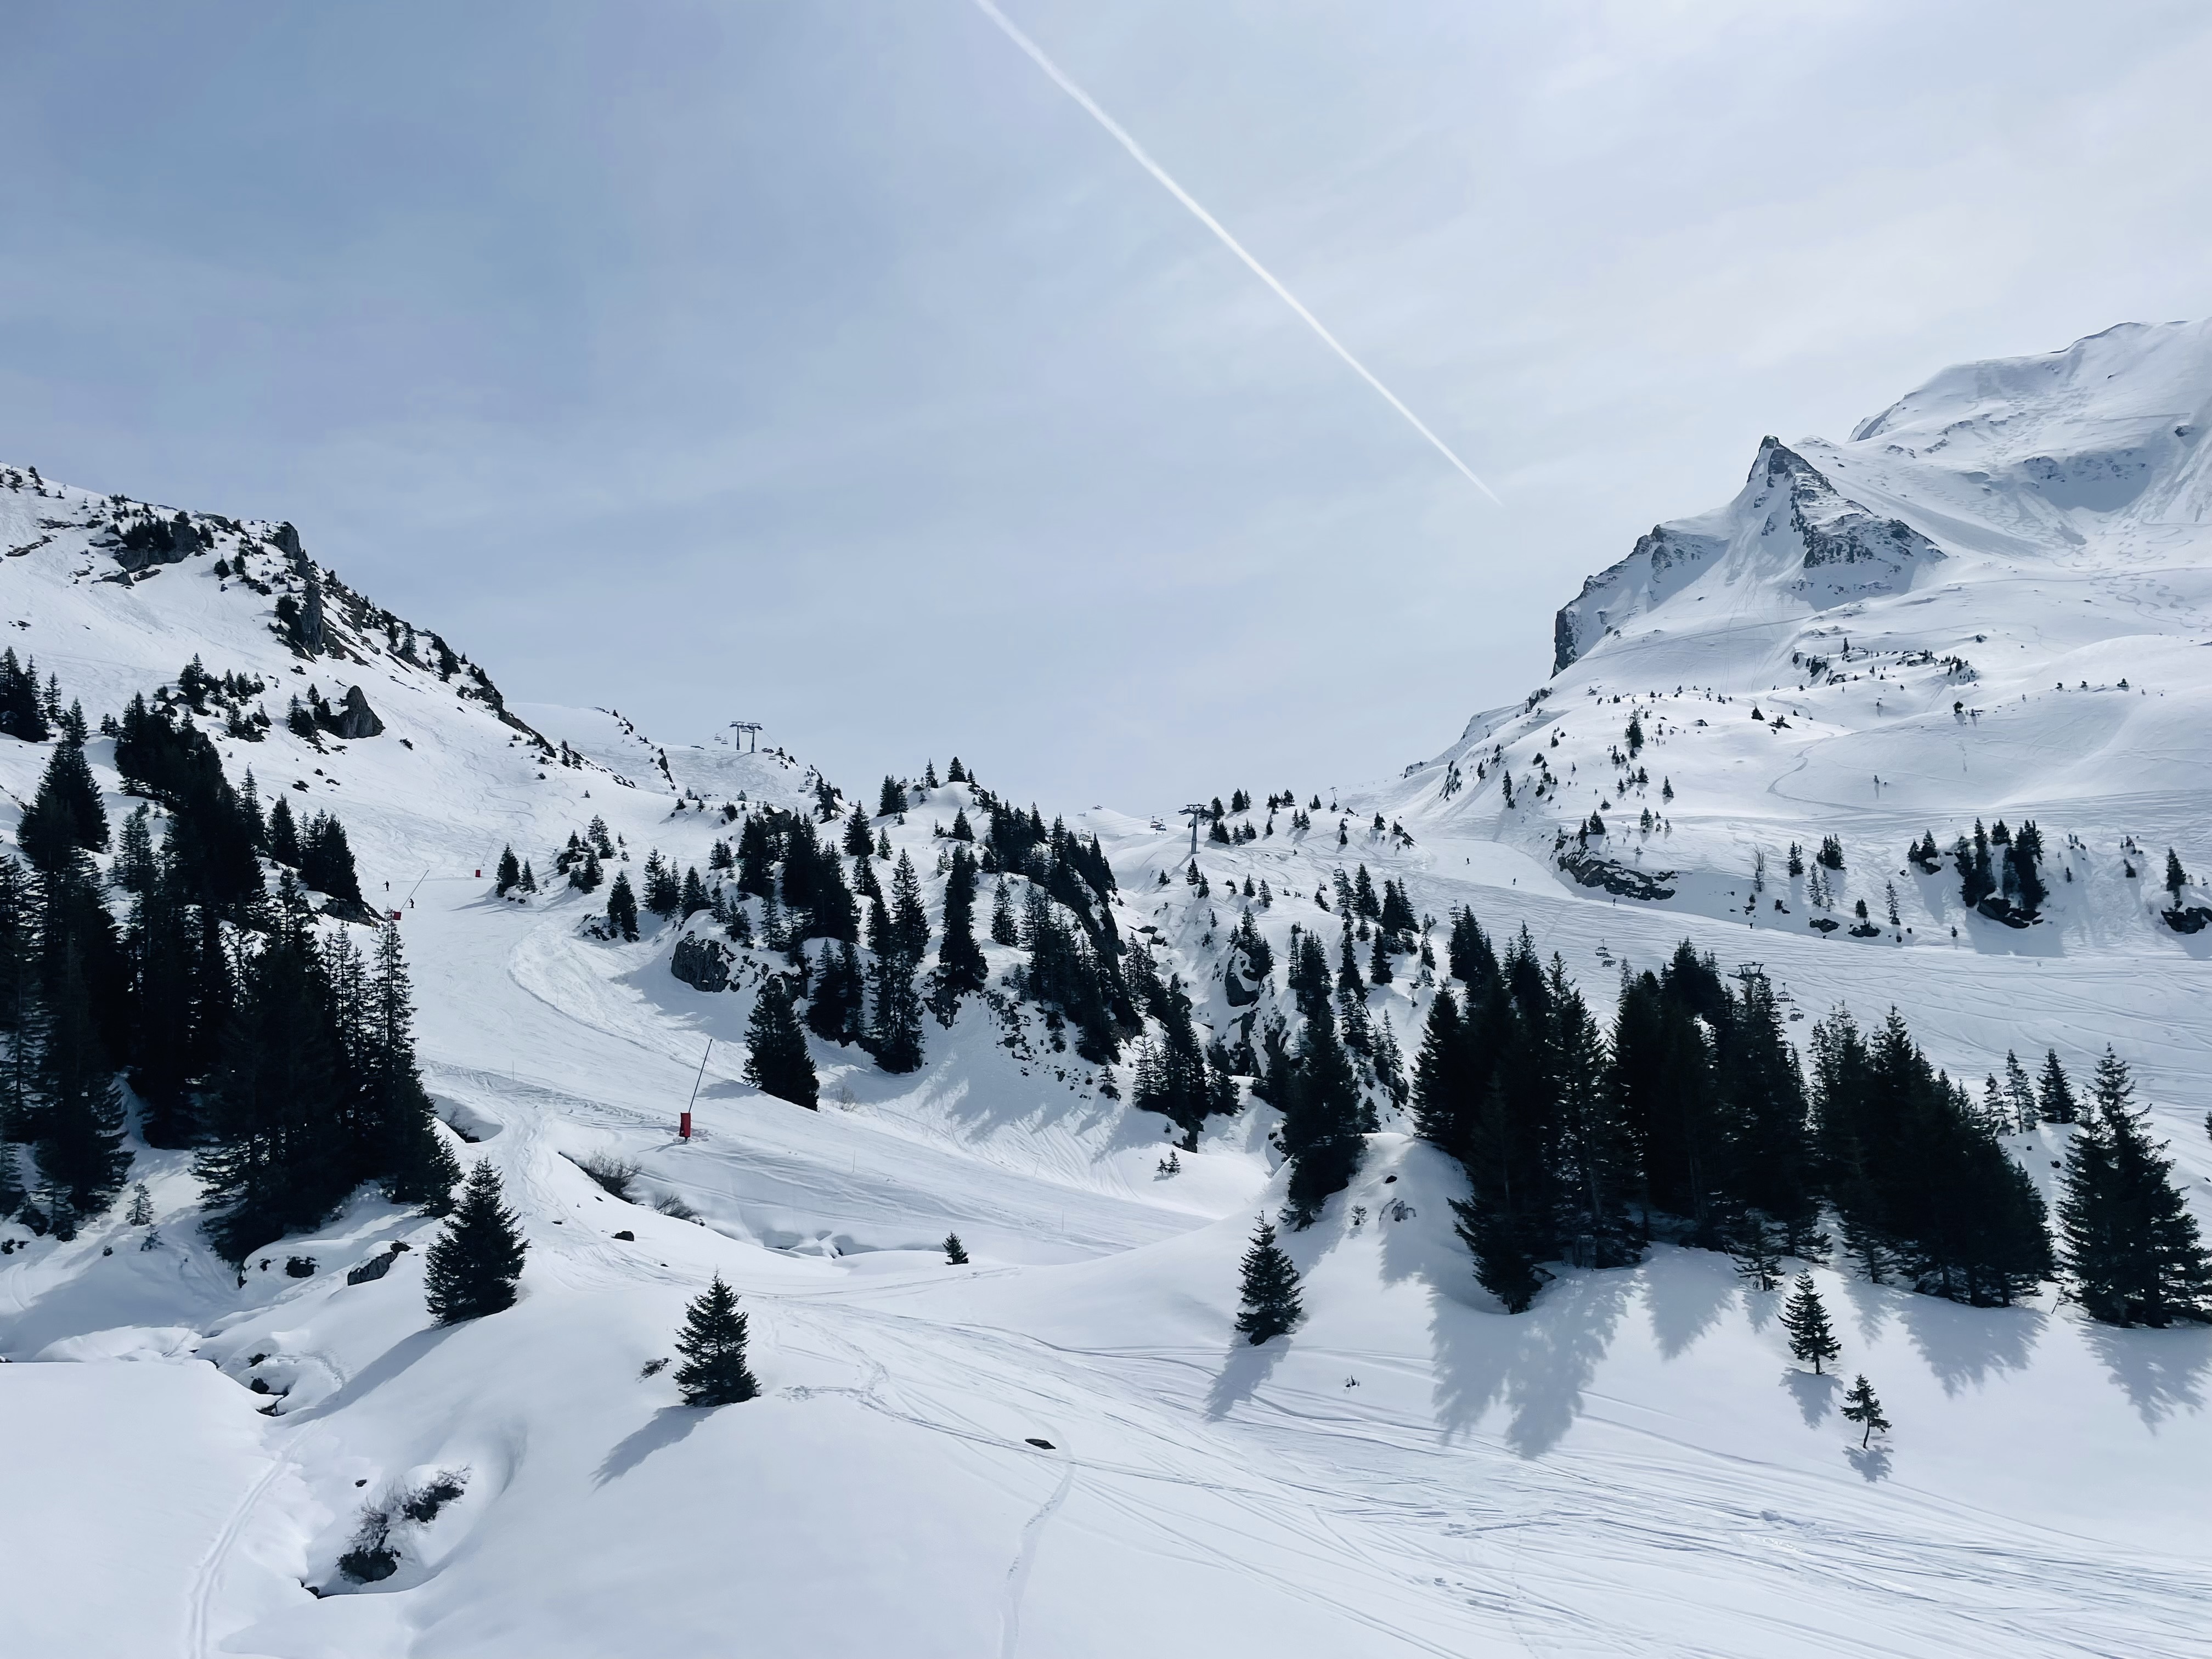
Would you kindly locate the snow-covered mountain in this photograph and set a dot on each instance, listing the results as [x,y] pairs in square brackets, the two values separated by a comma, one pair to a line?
[1997,597]
[1994,601]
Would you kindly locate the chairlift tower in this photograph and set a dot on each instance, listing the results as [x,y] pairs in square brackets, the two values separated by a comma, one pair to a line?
[1195,814]
[744,729]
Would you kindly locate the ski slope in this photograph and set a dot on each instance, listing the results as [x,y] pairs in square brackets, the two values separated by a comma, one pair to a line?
[1634,1465]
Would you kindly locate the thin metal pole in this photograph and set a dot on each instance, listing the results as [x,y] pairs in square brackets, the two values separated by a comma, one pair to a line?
[695,1081]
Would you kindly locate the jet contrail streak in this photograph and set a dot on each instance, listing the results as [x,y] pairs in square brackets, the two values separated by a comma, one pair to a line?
[1136,153]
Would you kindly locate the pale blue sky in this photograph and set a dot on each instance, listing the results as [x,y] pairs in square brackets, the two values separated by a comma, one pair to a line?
[823,364]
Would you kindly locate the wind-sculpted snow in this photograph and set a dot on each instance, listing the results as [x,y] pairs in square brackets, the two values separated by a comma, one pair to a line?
[1634,1465]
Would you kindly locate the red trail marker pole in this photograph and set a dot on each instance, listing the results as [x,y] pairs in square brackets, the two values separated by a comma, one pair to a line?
[683,1121]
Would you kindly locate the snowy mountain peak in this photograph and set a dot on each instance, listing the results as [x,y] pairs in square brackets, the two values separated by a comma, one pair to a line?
[1791,533]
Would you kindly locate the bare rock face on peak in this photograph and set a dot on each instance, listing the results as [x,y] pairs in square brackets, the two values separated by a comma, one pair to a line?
[1790,535]
[355,718]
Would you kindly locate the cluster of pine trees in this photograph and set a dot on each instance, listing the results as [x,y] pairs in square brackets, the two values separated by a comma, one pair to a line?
[1694,1120]
[287,1061]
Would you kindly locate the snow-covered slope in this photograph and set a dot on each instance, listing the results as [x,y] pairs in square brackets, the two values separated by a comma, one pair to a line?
[1995,601]
[1063,1447]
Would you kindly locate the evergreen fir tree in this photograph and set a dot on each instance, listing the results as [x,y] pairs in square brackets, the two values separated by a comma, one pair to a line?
[1502,1264]
[835,1011]
[778,1063]
[399,1127]
[895,1023]
[909,922]
[509,873]
[621,906]
[1806,1319]
[475,1262]
[326,861]
[2176,877]
[2127,1235]
[958,957]
[283,834]
[65,815]
[2054,1099]
[859,841]
[276,1158]
[1269,1291]
[82,1155]
[713,1344]
[135,858]
[1321,1120]
[956,1253]
[1861,1406]
[1004,929]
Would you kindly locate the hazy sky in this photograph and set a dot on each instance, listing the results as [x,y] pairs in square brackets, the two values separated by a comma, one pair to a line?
[823,364]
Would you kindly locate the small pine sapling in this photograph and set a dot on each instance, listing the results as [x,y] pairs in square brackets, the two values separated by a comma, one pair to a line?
[1270,1288]
[1811,1339]
[475,1262]
[1861,1406]
[956,1253]
[713,1344]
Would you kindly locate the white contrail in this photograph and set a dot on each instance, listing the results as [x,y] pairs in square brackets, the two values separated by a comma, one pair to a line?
[1136,153]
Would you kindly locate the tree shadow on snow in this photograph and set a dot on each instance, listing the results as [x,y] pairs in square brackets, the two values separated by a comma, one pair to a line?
[1965,1346]
[1246,1368]
[1872,1462]
[1871,1305]
[665,1427]
[1685,1295]
[1815,1396]
[1537,1362]
[2160,1372]
[392,1362]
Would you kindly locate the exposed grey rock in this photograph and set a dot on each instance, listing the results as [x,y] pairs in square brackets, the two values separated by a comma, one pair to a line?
[701,963]
[356,719]
[158,541]
[1625,880]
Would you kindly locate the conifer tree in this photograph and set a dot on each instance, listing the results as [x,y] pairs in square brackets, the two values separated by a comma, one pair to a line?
[1003,928]
[835,1008]
[859,841]
[1321,1122]
[1806,1319]
[283,834]
[65,815]
[1269,1291]
[475,1262]
[778,1063]
[509,873]
[958,957]
[2127,1236]
[1861,1406]
[2054,1098]
[909,922]
[956,1253]
[895,1014]
[2176,877]
[621,906]
[326,861]
[1502,1264]
[135,858]
[275,1159]
[82,1155]
[398,1122]
[713,1344]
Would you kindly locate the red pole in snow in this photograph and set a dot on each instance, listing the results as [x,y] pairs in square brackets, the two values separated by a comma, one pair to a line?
[683,1123]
